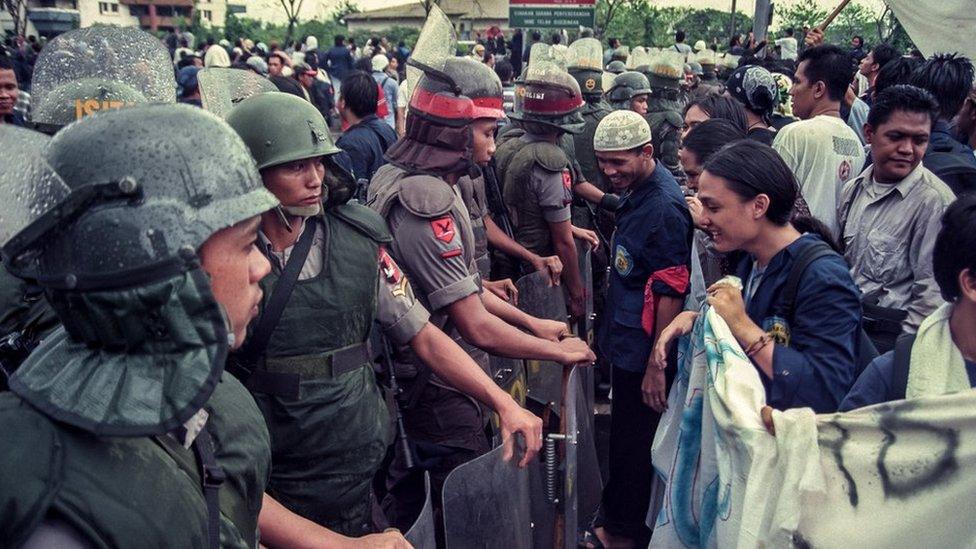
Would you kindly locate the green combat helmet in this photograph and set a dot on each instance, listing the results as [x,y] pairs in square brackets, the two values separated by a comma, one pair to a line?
[279,128]
[621,131]
[88,71]
[113,237]
[626,86]
[586,66]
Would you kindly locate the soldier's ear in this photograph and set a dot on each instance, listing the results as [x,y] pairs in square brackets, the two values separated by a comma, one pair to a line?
[648,150]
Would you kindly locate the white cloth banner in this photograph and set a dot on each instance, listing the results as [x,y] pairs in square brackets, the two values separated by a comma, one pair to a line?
[938,26]
[893,475]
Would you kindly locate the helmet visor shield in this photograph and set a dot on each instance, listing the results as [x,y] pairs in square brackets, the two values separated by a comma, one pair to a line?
[88,70]
[221,88]
[436,43]
[586,53]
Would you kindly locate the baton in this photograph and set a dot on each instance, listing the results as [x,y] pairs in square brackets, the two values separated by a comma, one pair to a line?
[833,15]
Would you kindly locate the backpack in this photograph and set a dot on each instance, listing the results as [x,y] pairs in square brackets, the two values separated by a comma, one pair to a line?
[867,351]
[898,384]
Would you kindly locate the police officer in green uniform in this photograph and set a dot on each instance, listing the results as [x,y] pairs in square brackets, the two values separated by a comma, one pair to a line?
[630,90]
[665,73]
[122,429]
[309,368]
[584,66]
[536,175]
[450,132]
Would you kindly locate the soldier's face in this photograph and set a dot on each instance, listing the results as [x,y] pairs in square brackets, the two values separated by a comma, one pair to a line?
[625,168]
[639,104]
[484,140]
[235,265]
[297,183]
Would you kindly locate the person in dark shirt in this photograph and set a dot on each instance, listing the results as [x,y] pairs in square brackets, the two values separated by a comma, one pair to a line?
[806,356]
[949,78]
[367,137]
[337,62]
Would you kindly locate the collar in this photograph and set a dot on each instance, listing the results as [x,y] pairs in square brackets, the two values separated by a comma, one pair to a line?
[904,187]
[364,121]
[639,190]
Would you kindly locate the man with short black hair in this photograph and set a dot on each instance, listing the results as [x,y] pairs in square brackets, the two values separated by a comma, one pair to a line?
[9,92]
[821,150]
[889,216]
[941,358]
[949,78]
[871,65]
[679,43]
[368,137]
[787,46]
[337,62]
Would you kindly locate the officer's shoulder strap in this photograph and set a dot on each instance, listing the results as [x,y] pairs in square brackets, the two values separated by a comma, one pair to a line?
[549,157]
[426,195]
[898,384]
[364,220]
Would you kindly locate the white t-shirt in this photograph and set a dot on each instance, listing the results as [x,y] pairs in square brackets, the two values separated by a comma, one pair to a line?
[787,48]
[682,48]
[823,153]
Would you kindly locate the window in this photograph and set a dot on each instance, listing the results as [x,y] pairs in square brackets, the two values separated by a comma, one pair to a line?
[207,15]
[107,8]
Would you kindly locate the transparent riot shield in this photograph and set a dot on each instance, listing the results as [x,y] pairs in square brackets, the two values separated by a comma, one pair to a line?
[486,504]
[221,89]
[586,53]
[437,42]
[88,70]
[509,374]
[539,299]
[422,534]
[639,58]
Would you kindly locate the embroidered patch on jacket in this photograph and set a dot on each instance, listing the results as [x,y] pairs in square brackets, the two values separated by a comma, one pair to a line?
[391,272]
[622,261]
[443,228]
[778,328]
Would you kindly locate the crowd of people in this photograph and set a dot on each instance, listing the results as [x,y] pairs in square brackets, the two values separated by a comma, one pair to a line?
[193,303]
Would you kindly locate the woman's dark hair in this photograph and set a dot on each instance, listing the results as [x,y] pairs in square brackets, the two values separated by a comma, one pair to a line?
[955,246]
[710,136]
[720,106]
[810,224]
[364,64]
[750,169]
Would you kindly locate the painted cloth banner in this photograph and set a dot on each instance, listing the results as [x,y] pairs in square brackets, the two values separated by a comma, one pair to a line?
[938,26]
[893,475]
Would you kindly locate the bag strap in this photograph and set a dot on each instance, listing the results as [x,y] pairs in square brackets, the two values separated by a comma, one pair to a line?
[787,297]
[212,476]
[259,338]
[899,373]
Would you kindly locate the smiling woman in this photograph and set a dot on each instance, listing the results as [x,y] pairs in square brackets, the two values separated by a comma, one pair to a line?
[806,346]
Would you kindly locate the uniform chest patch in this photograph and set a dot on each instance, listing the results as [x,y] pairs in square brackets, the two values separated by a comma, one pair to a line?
[443,228]
[590,84]
[778,328]
[622,261]
[567,180]
[391,272]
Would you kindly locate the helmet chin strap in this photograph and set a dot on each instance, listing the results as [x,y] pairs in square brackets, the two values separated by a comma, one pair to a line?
[303,211]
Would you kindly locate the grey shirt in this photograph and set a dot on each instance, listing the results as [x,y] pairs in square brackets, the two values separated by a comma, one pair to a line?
[553,191]
[397,310]
[889,233]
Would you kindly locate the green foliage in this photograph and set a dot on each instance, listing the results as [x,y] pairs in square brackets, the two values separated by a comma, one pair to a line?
[636,22]
[857,19]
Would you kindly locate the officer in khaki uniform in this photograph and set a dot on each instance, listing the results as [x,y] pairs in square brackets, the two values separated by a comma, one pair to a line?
[310,368]
[536,174]
[449,133]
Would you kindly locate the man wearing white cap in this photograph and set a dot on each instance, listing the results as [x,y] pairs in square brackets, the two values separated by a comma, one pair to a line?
[389,86]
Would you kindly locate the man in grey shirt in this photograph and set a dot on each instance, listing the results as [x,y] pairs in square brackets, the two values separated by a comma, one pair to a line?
[890,215]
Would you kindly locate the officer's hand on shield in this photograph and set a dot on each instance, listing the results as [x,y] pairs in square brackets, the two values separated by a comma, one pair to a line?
[680,326]
[515,419]
[504,289]
[391,539]
[552,265]
[588,236]
[553,330]
[575,352]
[577,304]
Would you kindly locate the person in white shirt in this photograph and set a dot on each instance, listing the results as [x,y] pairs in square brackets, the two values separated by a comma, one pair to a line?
[787,46]
[679,43]
[821,149]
